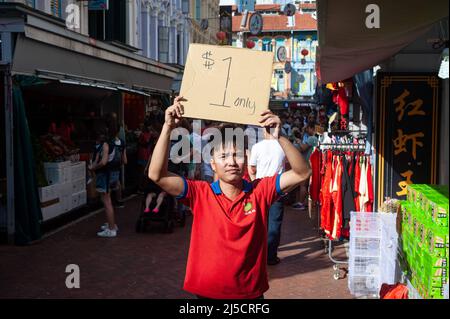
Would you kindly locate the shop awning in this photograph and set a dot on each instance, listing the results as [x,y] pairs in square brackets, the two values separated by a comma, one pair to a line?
[347,46]
[37,58]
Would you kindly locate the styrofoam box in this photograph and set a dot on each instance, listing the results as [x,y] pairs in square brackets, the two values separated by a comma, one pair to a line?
[58,175]
[63,189]
[79,199]
[47,193]
[82,198]
[78,186]
[51,211]
[78,170]
[56,165]
[66,202]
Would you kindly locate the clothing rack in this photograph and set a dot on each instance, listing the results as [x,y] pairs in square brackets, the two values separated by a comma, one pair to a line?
[343,147]
[329,242]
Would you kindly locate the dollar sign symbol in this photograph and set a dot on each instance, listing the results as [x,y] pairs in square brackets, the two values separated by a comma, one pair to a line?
[208,61]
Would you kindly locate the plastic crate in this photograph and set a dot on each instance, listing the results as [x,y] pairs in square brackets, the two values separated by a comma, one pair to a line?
[365,266]
[365,224]
[372,252]
[363,246]
[364,285]
[412,291]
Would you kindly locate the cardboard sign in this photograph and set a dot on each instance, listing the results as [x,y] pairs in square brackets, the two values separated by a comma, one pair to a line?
[226,84]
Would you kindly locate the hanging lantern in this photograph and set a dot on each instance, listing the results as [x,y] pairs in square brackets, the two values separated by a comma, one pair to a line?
[305,52]
[303,61]
[250,44]
[221,35]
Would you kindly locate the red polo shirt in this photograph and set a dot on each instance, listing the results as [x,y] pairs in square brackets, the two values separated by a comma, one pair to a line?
[228,250]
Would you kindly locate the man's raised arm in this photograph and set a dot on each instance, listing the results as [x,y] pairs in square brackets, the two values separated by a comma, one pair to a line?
[300,169]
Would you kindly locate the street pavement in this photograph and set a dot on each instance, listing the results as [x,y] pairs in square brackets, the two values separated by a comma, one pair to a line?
[152,264]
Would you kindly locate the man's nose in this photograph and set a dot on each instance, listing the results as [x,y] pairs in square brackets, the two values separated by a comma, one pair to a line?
[231,160]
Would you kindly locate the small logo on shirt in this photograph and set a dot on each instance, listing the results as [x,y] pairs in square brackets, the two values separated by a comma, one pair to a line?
[248,209]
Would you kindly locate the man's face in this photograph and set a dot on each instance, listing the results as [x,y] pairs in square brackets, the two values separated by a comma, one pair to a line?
[311,131]
[228,163]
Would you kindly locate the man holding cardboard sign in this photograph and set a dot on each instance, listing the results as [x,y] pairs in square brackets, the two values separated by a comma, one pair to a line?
[228,248]
[226,84]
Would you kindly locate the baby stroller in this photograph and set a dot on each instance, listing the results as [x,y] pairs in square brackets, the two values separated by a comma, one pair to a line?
[167,215]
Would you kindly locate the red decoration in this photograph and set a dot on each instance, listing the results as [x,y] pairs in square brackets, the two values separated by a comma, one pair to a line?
[250,44]
[305,52]
[221,35]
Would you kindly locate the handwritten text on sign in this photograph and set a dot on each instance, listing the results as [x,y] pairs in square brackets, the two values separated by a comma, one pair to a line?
[226,84]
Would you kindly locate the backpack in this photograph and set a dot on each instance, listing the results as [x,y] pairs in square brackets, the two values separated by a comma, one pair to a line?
[115,155]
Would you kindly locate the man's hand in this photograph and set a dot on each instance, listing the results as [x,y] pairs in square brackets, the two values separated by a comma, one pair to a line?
[174,113]
[271,122]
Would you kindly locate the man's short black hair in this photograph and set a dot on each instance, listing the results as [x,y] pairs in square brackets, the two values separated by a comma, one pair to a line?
[223,128]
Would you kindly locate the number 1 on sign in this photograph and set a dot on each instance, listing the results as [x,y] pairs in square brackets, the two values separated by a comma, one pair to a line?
[226,84]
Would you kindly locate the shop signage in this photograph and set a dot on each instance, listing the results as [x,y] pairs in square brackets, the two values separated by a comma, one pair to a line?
[407,128]
[225,84]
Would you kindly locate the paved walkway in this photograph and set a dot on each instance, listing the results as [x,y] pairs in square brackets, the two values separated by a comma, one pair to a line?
[152,265]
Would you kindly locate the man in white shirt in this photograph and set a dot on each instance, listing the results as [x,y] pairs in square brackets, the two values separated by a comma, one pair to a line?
[267,159]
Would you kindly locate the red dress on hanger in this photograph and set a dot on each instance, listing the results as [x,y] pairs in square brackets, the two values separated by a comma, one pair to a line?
[357,178]
[327,204]
[337,200]
[314,188]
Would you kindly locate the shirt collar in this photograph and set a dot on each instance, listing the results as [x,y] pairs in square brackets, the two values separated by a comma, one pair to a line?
[216,187]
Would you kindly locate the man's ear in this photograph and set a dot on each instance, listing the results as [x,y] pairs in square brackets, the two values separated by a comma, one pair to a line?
[213,164]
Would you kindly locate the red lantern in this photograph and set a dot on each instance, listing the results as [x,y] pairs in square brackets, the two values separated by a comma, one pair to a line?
[221,35]
[250,44]
[305,52]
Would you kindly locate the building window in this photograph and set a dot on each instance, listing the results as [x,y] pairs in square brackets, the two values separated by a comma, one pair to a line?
[185,6]
[267,44]
[114,20]
[31,3]
[279,76]
[163,44]
[179,51]
[55,8]
[198,9]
